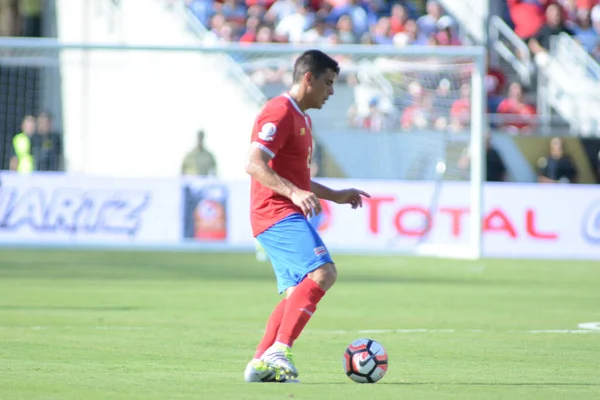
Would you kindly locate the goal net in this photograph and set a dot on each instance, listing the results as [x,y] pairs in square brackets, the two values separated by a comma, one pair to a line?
[408,124]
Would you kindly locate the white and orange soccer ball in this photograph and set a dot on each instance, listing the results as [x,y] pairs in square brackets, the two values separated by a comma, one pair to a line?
[365,361]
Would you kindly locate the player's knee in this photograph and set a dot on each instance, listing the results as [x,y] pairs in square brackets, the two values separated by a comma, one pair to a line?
[325,276]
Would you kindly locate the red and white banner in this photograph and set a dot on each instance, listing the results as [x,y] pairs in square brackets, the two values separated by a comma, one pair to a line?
[520,220]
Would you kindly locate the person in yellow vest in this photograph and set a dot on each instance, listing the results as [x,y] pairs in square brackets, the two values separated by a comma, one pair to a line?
[199,161]
[22,159]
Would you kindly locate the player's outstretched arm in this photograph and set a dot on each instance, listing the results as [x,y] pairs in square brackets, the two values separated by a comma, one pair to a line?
[258,168]
[345,196]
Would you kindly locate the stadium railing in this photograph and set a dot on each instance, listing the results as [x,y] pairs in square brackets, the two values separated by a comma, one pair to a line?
[470,14]
[569,82]
[511,48]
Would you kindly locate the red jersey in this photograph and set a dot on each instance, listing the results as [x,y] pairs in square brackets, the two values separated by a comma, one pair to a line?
[284,132]
[508,106]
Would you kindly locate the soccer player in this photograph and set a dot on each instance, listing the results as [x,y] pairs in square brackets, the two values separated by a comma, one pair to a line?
[283,196]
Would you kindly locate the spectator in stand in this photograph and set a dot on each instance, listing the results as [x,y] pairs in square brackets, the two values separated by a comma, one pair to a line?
[558,166]
[460,113]
[419,115]
[219,31]
[381,33]
[252,25]
[398,17]
[595,17]
[528,16]
[495,168]
[569,9]
[318,34]
[345,30]
[292,26]
[447,35]
[375,119]
[202,9]
[410,36]
[443,99]
[494,85]
[263,5]
[281,9]
[409,6]
[583,30]
[517,110]
[540,44]
[428,23]
[361,19]
[232,10]
[47,145]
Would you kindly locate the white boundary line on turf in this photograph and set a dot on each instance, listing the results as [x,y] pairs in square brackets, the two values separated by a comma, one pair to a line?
[103,328]
[383,331]
[584,328]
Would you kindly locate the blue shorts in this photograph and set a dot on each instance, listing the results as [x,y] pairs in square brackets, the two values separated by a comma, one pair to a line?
[295,249]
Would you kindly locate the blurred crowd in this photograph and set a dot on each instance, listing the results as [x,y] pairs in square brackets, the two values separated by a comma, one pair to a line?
[536,21]
[318,22]
[434,101]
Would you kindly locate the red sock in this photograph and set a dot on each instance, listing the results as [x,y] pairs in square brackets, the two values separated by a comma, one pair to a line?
[300,306]
[272,327]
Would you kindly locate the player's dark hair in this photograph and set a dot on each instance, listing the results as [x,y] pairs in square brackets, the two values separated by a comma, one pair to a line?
[315,62]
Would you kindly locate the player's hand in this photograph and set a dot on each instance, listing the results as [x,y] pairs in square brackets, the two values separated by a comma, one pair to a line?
[352,197]
[308,202]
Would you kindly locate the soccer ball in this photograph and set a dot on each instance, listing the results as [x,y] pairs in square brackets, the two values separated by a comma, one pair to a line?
[365,361]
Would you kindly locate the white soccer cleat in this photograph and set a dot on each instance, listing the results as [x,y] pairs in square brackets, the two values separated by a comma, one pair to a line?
[259,371]
[279,357]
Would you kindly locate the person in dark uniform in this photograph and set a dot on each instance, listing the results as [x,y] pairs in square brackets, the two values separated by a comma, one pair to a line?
[47,145]
[495,168]
[558,167]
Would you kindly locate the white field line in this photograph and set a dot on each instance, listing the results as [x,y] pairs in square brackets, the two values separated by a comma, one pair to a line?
[59,327]
[584,328]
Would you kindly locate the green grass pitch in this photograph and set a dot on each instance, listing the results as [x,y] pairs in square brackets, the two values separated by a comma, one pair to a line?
[152,325]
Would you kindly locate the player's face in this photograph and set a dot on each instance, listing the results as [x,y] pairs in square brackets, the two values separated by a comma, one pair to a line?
[319,89]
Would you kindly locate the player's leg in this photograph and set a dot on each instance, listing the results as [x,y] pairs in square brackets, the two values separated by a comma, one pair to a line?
[310,272]
[257,370]
[302,302]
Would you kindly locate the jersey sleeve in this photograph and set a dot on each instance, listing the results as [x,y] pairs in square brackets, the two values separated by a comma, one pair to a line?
[273,126]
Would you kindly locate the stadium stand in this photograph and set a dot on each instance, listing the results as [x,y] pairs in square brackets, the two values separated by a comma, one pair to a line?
[383,100]
[329,22]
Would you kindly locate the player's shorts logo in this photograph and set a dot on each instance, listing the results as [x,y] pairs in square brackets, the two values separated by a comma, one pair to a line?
[267,132]
[590,224]
[320,251]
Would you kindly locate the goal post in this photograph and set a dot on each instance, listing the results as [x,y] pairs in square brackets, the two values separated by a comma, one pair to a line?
[392,121]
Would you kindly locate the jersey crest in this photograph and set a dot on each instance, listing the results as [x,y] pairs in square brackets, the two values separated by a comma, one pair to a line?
[267,132]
